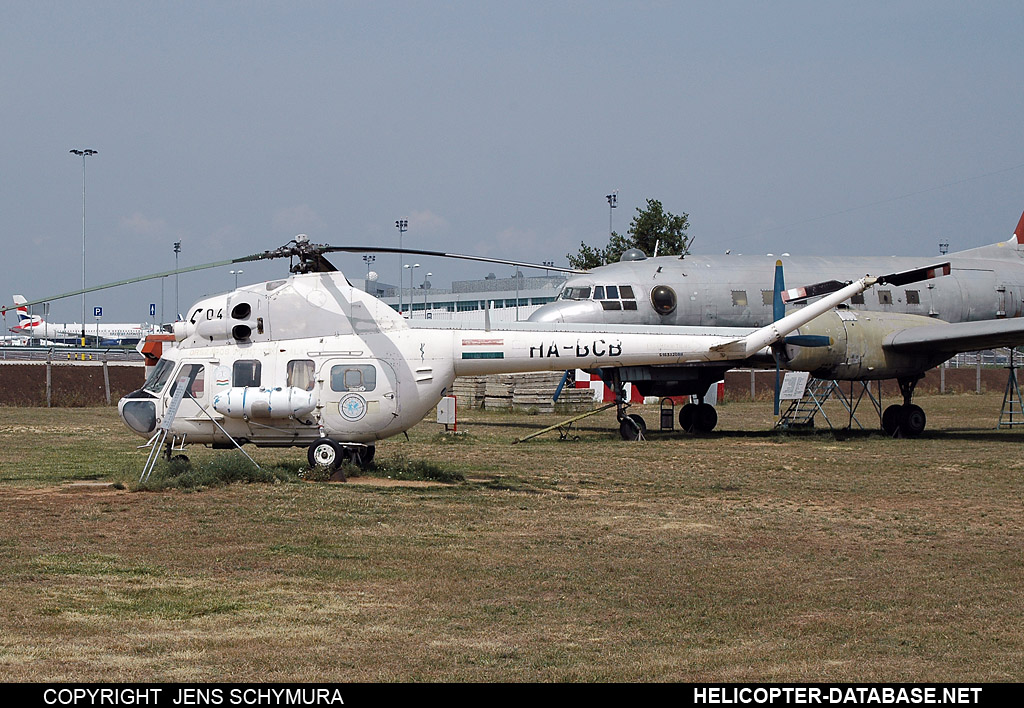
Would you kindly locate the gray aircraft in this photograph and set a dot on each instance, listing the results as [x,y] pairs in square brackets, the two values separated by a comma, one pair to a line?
[899,331]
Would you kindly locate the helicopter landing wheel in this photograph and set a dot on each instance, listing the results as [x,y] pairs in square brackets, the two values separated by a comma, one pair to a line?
[325,453]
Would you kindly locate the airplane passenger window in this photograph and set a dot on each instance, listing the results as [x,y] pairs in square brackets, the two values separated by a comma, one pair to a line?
[663,299]
[767,297]
[913,297]
[739,298]
[246,373]
[885,297]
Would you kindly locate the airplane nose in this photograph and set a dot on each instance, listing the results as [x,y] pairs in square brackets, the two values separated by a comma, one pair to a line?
[564,311]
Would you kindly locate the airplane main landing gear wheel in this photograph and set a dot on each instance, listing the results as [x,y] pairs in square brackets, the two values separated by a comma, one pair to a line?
[891,420]
[912,421]
[687,417]
[706,418]
[906,421]
[698,417]
[632,427]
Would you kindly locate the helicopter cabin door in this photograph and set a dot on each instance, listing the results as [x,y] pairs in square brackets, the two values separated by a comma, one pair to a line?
[192,414]
[359,397]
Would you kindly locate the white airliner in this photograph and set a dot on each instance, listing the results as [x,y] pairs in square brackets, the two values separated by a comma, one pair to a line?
[35,327]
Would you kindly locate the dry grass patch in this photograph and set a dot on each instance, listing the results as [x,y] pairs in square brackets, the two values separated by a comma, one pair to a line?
[739,556]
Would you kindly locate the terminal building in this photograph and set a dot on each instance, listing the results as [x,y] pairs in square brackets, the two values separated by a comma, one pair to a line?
[509,299]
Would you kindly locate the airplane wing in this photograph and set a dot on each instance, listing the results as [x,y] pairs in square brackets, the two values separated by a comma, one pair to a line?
[953,338]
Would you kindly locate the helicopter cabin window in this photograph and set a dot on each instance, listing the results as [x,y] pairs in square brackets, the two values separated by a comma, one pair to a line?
[767,297]
[885,297]
[351,377]
[913,297]
[857,299]
[300,374]
[739,298]
[246,372]
[196,375]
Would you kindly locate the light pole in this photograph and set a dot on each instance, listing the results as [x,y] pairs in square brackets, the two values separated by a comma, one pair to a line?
[411,269]
[426,284]
[517,293]
[177,250]
[368,260]
[402,225]
[613,199]
[83,154]
[236,273]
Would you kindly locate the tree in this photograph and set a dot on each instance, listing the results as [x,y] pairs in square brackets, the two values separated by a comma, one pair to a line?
[652,229]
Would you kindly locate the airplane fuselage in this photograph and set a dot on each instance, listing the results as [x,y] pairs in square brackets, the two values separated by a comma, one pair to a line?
[736,291]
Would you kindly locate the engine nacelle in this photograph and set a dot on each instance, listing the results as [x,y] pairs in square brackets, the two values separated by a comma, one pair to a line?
[251,402]
[856,351]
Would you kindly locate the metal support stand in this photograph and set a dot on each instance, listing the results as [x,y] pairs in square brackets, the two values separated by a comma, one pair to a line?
[1012,403]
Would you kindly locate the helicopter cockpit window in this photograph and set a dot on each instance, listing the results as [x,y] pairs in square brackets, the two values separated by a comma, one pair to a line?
[346,377]
[246,372]
[663,299]
[300,374]
[196,375]
[576,293]
[157,379]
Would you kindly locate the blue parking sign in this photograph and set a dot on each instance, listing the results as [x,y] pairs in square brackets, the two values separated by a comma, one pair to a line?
[97,312]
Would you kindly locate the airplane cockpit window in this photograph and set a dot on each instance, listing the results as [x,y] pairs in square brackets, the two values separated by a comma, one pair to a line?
[576,293]
[347,377]
[157,379]
[663,299]
[246,373]
[300,374]
[599,292]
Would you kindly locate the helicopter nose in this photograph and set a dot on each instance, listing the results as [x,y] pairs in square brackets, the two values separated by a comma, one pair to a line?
[138,411]
[564,311]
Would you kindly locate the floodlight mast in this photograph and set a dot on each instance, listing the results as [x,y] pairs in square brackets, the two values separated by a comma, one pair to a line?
[83,154]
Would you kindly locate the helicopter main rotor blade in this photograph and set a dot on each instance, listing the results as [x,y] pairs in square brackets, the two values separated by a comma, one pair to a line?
[129,281]
[441,254]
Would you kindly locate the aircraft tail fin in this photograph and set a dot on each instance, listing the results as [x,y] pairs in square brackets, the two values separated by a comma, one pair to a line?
[25,320]
[1018,233]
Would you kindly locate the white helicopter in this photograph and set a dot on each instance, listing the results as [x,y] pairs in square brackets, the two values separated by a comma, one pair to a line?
[312,361]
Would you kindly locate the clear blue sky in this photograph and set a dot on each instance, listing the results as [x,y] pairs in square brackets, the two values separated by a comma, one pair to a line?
[495,128]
